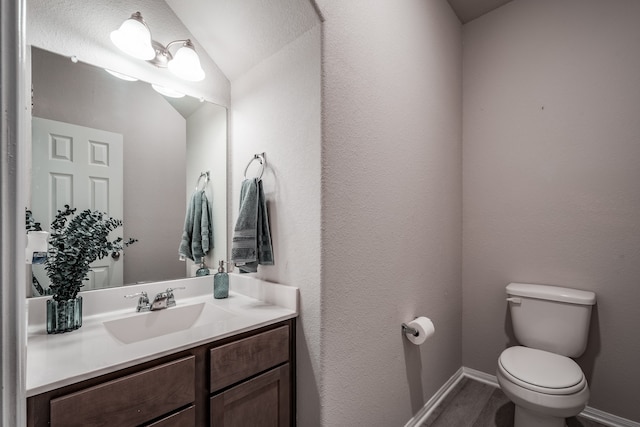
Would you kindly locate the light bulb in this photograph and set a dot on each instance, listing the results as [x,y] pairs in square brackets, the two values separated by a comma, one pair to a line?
[134,38]
[186,63]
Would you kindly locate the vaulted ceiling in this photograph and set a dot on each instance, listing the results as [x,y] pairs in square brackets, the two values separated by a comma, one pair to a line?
[468,10]
[238,35]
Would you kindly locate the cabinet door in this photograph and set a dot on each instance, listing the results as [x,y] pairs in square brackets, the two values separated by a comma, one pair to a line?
[260,402]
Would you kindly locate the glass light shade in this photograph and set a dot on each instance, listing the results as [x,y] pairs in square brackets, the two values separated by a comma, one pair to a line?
[171,93]
[133,37]
[121,76]
[186,64]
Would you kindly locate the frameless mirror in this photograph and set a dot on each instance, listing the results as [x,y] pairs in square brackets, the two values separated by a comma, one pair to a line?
[152,149]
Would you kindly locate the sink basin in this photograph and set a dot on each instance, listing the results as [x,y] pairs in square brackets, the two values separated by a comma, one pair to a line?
[153,324]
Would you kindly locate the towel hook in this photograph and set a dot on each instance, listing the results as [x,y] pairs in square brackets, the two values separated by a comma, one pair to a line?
[259,157]
[206,180]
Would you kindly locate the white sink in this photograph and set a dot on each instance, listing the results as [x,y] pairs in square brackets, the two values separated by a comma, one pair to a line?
[153,324]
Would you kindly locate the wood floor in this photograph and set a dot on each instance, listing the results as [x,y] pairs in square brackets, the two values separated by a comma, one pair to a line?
[475,404]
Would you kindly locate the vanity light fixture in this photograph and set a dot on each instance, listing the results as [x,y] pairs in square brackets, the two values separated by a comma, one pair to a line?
[134,38]
[171,93]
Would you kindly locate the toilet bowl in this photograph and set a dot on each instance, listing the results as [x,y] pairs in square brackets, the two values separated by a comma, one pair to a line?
[545,387]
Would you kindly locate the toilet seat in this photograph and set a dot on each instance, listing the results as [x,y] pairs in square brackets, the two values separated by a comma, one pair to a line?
[541,371]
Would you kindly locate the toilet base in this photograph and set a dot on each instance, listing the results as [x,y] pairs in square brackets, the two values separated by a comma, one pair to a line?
[526,418]
[534,409]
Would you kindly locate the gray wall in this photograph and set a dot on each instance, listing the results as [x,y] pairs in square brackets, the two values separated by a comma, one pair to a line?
[154,153]
[391,206]
[275,108]
[551,177]
[207,151]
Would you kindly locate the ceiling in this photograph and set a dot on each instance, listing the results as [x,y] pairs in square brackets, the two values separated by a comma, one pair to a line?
[237,35]
[468,10]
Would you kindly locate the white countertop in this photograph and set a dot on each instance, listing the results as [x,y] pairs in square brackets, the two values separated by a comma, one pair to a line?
[58,360]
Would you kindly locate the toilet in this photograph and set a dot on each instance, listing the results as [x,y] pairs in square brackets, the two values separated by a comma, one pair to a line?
[552,325]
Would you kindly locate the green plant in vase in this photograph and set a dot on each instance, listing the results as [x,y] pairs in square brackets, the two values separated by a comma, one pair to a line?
[75,242]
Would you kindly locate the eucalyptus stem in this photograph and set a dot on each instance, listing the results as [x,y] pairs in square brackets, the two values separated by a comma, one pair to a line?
[75,242]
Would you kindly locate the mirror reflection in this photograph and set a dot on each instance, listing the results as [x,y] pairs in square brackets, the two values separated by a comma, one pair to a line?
[150,151]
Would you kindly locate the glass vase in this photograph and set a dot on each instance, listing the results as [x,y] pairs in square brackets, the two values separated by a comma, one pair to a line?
[64,316]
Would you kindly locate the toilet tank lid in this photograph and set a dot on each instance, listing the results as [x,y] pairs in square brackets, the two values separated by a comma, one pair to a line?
[553,293]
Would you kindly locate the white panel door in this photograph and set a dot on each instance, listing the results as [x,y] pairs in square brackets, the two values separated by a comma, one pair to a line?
[80,167]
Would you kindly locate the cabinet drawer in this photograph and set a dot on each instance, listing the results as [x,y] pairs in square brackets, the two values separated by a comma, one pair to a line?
[130,400]
[241,359]
[184,418]
[260,402]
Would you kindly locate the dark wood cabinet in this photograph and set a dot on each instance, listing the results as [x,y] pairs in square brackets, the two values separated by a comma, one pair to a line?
[183,418]
[259,402]
[238,360]
[132,399]
[244,380]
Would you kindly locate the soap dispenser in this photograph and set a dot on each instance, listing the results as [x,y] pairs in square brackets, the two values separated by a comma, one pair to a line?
[221,283]
[203,270]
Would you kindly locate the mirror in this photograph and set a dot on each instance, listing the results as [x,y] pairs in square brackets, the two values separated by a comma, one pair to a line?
[166,144]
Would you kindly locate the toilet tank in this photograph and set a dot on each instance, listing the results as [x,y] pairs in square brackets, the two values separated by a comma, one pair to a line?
[551,318]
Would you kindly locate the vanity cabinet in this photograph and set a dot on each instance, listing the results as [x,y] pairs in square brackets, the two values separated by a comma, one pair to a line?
[244,380]
[262,400]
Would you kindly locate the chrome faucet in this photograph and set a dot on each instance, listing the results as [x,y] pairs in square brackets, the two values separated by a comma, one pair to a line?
[161,301]
[143,301]
[164,299]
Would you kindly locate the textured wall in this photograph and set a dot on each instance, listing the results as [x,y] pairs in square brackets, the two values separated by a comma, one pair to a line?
[276,109]
[391,206]
[551,173]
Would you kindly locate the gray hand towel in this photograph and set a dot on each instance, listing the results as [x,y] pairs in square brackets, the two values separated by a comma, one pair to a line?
[251,238]
[204,244]
[206,226]
[265,248]
[197,236]
[187,233]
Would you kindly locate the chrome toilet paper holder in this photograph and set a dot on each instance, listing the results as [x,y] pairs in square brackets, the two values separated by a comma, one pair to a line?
[409,330]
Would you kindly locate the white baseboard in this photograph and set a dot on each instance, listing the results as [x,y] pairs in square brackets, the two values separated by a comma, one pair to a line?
[606,418]
[480,376]
[589,413]
[435,400]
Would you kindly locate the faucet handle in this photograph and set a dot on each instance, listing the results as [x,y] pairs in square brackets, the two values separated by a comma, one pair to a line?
[141,294]
[171,300]
[143,301]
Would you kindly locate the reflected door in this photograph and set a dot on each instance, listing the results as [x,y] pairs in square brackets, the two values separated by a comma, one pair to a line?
[80,167]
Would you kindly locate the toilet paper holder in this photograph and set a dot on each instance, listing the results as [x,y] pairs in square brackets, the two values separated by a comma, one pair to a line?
[409,330]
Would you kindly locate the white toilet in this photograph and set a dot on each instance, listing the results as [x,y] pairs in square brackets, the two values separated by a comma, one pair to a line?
[552,324]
